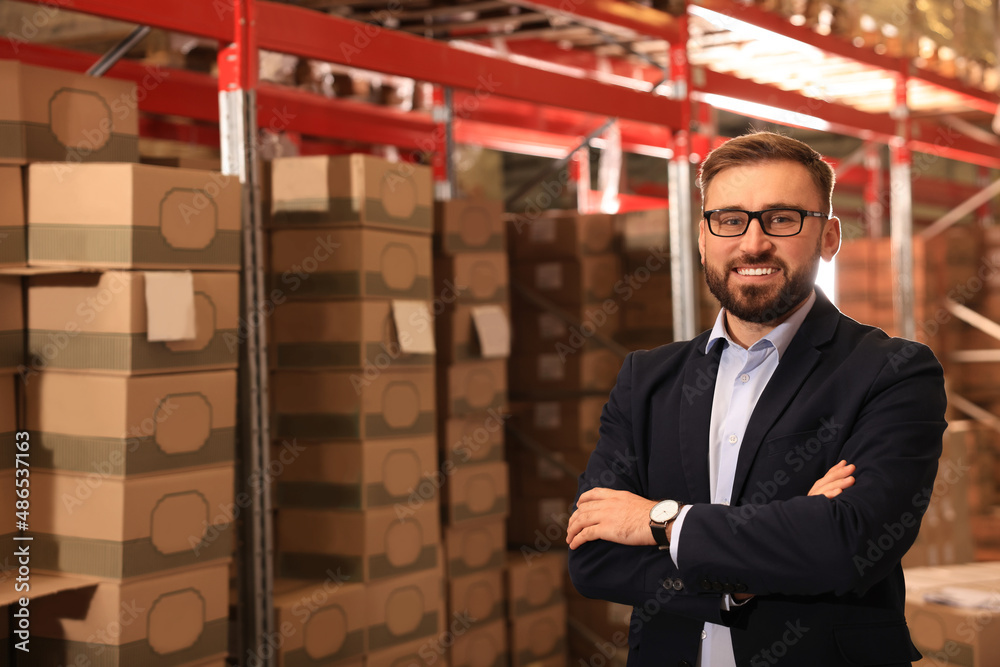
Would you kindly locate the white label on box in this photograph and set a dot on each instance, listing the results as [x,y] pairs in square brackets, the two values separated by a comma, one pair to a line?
[551,367]
[169,305]
[493,330]
[414,326]
[549,276]
[542,230]
[551,327]
[548,415]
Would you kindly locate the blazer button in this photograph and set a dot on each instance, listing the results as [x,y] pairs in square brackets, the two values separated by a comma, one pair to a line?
[706,585]
[717,586]
[741,588]
[683,663]
[668,583]
[678,584]
[729,588]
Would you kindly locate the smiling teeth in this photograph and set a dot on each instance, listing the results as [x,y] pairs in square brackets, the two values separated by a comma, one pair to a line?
[755,272]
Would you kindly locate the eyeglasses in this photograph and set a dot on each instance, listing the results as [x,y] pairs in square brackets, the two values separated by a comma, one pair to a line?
[774,221]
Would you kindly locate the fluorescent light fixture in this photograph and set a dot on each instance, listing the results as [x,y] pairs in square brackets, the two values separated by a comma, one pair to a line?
[763,111]
[744,29]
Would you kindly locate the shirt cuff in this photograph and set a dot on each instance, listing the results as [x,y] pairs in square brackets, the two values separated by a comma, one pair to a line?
[675,534]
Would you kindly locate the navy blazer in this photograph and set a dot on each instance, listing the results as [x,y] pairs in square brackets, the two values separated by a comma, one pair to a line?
[826,573]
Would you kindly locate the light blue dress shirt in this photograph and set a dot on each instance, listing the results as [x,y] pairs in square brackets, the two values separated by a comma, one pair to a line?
[743,374]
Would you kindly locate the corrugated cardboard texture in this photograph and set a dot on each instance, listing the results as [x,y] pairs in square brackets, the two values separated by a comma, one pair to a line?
[116,426]
[588,279]
[98,322]
[351,190]
[363,546]
[484,646]
[547,373]
[349,263]
[133,216]
[343,334]
[13,246]
[538,635]
[474,439]
[478,597]
[464,225]
[475,547]
[570,425]
[49,114]
[472,387]
[119,528]
[539,522]
[325,622]
[456,337]
[534,581]
[357,475]
[473,277]
[11,324]
[8,417]
[475,492]
[538,330]
[426,652]
[404,609]
[562,236]
[176,618]
[356,405]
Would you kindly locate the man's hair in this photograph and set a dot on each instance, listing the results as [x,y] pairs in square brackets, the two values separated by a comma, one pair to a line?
[756,147]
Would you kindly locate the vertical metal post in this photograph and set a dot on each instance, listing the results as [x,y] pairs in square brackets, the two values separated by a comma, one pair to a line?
[874,210]
[581,172]
[442,162]
[901,215]
[238,130]
[682,268]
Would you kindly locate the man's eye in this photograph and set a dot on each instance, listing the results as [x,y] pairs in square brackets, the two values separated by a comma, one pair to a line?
[731,221]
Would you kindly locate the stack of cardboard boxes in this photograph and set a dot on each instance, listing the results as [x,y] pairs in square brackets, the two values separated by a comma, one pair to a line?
[536,607]
[644,291]
[473,342]
[353,397]
[131,406]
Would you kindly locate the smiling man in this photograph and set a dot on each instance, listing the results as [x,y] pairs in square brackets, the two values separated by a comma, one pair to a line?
[741,534]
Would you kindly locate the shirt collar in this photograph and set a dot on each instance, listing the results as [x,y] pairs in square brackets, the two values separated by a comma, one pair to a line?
[780,337]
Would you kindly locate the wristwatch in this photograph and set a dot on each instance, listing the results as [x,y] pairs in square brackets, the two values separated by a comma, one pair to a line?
[661,516]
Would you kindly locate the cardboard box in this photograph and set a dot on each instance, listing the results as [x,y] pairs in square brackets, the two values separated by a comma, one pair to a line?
[426,652]
[649,304]
[178,617]
[8,415]
[350,263]
[473,277]
[607,620]
[539,330]
[344,334]
[472,440]
[472,387]
[477,597]
[133,216]
[13,243]
[645,230]
[562,236]
[457,336]
[533,475]
[482,646]
[568,426]
[120,528]
[474,547]
[117,426]
[56,115]
[534,582]
[359,405]
[357,475]
[539,522]
[572,370]
[320,623]
[99,322]
[588,279]
[183,162]
[464,225]
[366,546]
[11,324]
[476,492]
[538,635]
[351,190]
[404,609]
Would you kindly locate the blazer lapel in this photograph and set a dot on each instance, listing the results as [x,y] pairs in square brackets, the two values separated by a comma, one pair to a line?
[794,367]
[695,418]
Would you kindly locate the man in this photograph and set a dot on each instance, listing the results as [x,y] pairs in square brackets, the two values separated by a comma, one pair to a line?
[710,532]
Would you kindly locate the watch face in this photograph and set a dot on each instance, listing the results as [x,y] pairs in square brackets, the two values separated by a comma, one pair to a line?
[663,511]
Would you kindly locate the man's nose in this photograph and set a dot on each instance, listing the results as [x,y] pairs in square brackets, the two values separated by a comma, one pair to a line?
[755,241]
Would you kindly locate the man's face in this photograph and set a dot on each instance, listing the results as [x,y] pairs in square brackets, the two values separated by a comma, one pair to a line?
[788,264]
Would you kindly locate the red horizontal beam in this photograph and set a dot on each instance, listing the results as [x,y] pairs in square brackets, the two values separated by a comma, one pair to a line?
[643,20]
[205,18]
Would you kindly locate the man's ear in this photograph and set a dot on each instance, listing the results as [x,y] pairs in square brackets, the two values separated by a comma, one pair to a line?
[701,241]
[830,243]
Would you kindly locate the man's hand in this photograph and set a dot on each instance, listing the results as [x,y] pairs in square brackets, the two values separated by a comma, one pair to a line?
[613,516]
[836,479]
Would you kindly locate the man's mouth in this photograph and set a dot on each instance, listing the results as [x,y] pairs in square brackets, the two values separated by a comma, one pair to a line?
[755,270]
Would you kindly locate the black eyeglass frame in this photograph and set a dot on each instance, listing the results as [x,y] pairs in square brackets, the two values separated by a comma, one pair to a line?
[758,216]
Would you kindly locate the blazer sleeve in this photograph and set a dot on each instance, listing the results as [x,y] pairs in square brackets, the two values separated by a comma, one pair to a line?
[810,545]
[639,576]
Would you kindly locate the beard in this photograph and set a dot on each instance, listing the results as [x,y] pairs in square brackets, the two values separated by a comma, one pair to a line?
[763,304]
